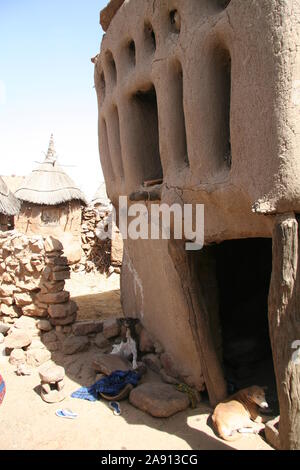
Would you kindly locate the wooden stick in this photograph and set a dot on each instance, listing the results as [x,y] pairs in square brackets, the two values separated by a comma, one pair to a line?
[153,182]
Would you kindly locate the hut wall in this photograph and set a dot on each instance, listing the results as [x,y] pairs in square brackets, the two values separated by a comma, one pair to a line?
[63,222]
[6,222]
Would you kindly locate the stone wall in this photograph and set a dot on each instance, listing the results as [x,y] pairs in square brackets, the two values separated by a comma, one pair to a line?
[103,255]
[32,278]
[95,252]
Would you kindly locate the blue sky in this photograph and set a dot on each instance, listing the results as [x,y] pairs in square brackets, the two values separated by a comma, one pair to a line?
[46,85]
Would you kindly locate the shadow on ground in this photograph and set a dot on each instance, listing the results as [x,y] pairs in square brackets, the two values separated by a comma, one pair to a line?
[99,306]
[187,426]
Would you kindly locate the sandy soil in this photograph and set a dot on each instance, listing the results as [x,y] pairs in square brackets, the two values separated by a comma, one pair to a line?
[97,296]
[30,423]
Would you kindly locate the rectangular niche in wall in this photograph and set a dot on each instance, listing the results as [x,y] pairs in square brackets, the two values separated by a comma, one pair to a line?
[115,141]
[221,82]
[105,151]
[178,118]
[146,135]
[214,110]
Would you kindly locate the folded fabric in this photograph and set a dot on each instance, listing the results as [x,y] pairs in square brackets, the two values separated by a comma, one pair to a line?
[2,389]
[110,385]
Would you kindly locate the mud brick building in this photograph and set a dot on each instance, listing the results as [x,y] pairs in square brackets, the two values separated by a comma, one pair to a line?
[52,205]
[202,96]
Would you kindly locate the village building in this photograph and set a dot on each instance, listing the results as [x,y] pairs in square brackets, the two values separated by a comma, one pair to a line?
[199,104]
[9,207]
[52,205]
[100,198]
[13,182]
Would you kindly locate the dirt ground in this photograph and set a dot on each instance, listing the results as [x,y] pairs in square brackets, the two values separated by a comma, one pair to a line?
[30,423]
[97,296]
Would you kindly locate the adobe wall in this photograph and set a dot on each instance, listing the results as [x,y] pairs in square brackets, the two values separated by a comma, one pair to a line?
[62,222]
[209,35]
[6,222]
[204,97]
[151,290]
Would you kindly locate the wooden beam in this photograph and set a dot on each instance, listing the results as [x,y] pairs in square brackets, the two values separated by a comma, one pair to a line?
[284,324]
[148,183]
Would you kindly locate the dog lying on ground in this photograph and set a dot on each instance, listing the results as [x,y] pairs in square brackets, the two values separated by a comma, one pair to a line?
[236,412]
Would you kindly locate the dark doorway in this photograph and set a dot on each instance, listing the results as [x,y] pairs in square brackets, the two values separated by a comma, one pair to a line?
[234,277]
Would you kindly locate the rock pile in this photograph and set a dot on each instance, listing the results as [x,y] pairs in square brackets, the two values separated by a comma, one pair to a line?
[32,278]
[96,252]
[151,354]
[32,297]
[23,343]
[22,262]
[53,297]
[99,254]
[37,338]
[159,398]
[30,342]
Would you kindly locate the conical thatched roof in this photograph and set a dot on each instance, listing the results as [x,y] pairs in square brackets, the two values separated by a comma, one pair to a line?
[13,182]
[48,184]
[9,204]
[101,196]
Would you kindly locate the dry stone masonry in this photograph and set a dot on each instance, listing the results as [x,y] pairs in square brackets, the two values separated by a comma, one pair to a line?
[33,273]
[22,263]
[95,252]
[32,296]
[103,255]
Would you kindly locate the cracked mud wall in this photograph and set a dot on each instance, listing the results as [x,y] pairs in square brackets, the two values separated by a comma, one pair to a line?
[232,147]
[151,290]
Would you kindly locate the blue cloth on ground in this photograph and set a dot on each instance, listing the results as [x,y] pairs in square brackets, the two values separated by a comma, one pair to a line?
[110,385]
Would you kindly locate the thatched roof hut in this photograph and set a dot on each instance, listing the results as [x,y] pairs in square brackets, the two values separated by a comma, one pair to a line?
[13,182]
[49,184]
[9,206]
[52,205]
[100,198]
